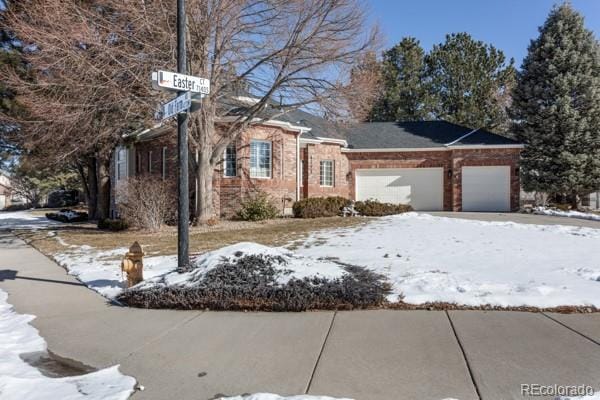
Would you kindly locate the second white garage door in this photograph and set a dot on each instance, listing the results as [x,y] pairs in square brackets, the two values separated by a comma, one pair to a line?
[486,188]
[422,188]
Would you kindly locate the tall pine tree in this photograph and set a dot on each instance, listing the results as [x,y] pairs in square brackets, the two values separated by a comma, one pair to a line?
[470,83]
[556,106]
[404,96]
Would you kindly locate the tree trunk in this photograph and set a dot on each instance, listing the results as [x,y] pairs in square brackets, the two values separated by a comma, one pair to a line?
[92,198]
[84,181]
[205,187]
[103,171]
[573,200]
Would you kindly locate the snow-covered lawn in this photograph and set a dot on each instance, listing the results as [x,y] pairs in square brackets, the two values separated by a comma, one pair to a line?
[24,220]
[568,214]
[468,262]
[425,258]
[19,380]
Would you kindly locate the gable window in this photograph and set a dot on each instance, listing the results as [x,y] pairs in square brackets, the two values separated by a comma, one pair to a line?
[230,161]
[260,159]
[164,162]
[121,163]
[326,173]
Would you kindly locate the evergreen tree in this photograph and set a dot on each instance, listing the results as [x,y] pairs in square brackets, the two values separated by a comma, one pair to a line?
[470,83]
[556,107]
[403,96]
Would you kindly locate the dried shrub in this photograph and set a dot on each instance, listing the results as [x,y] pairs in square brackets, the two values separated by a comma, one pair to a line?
[315,207]
[373,208]
[257,207]
[113,224]
[250,283]
[147,202]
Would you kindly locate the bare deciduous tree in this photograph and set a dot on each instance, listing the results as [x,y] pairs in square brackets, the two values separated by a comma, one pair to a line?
[92,62]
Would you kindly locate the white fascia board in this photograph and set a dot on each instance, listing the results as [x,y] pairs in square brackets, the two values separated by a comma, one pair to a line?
[268,122]
[393,150]
[491,146]
[310,141]
[449,148]
[341,142]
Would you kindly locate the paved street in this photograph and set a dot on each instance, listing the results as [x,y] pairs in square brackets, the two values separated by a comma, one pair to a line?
[368,355]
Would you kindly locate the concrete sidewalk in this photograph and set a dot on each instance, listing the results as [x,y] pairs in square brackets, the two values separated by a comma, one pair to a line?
[365,355]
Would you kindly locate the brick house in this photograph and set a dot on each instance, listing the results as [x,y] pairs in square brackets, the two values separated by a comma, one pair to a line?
[432,165]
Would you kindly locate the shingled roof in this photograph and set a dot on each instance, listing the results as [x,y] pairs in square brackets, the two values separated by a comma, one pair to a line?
[419,134]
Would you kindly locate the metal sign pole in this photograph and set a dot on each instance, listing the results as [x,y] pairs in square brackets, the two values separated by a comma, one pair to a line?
[183,211]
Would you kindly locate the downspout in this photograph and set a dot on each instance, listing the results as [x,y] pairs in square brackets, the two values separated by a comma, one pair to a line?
[298,166]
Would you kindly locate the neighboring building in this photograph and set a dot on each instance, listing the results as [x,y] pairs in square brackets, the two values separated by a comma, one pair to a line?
[592,201]
[7,195]
[432,165]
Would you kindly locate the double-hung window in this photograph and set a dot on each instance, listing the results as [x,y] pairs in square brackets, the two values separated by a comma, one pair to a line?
[121,163]
[260,159]
[164,162]
[326,173]
[230,161]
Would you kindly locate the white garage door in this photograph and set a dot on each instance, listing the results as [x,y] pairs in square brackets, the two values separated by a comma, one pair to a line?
[486,188]
[422,188]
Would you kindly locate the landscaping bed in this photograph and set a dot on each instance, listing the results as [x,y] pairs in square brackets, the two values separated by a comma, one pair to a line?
[247,276]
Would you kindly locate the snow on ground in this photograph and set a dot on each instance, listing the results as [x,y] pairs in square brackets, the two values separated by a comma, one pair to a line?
[426,258]
[430,258]
[24,220]
[101,270]
[568,214]
[19,380]
[293,266]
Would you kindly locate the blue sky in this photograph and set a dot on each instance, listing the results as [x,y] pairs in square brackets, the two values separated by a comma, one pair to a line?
[507,24]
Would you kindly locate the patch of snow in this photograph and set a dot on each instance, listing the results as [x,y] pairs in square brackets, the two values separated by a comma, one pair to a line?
[294,266]
[101,269]
[595,396]
[24,220]
[568,214]
[19,380]
[429,259]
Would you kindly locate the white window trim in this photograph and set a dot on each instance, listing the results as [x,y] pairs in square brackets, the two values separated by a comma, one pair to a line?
[270,159]
[164,163]
[225,162]
[332,173]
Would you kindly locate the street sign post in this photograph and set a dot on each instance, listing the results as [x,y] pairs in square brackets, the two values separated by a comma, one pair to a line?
[180,82]
[177,105]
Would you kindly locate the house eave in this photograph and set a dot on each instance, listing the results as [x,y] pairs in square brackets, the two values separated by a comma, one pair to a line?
[444,148]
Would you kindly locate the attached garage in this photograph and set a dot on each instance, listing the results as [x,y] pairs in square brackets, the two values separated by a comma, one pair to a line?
[422,188]
[486,188]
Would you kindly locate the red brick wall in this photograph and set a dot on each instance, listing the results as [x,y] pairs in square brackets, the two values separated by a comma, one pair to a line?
[482,158]
[282,184]
[449,160]
[312,155]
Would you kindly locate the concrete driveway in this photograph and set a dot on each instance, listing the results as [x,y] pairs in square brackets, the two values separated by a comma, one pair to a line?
[520,218]
[370,355]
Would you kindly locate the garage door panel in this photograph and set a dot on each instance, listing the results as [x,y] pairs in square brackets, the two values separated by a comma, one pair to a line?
[422,188]
[486,188]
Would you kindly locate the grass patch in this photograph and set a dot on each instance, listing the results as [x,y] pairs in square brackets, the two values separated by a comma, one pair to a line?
[277,232]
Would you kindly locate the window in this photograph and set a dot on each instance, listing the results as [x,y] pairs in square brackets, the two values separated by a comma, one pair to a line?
[230,161]
[164,162]
[326,171]
[149,162]
[302,168]
[121,163]
[260,159]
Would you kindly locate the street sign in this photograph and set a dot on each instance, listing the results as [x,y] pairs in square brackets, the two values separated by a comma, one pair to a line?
[180,82]
[178,104]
